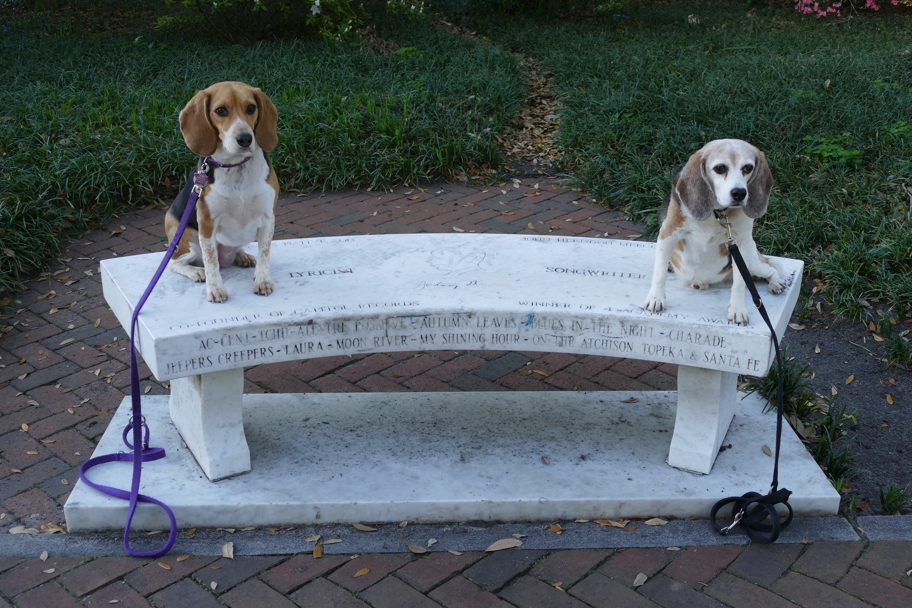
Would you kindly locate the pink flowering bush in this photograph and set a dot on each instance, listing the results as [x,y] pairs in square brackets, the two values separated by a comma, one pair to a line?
[812,7]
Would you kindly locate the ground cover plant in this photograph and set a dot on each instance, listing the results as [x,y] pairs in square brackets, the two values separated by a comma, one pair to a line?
[830,101]
[88,124]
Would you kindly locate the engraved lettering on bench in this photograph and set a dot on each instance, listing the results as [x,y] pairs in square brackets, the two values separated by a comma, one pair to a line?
[319,273]
[596,273]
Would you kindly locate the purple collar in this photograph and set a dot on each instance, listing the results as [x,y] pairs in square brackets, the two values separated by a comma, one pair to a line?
[214,163]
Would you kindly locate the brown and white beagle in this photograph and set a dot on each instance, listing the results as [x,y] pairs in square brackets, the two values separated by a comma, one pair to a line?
[231,126]
[729,176]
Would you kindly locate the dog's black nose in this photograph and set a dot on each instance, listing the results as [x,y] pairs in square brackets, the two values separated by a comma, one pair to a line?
[738,194]
[244,140]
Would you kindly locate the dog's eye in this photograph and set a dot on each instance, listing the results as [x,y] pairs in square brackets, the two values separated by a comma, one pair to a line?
[251,109]
[720,169]
[221,111]
[747,169]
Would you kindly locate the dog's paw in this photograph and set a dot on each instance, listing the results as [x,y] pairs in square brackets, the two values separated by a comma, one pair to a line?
[244,259]
[654,302]
[738,315]
[217,294]
[776,284]
[263,288]
[197,274]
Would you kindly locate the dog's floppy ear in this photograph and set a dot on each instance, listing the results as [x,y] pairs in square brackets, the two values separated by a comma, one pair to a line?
[266,128]
[759,188]
[199,134]
[693,190]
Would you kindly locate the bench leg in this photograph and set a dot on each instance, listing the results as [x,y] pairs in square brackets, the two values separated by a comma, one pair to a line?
[706,406]
[206,410]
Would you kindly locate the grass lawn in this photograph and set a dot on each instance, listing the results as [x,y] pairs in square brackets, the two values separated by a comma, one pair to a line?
[829,101]
[88,124]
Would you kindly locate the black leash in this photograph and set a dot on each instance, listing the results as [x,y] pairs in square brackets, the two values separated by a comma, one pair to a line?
[752,510]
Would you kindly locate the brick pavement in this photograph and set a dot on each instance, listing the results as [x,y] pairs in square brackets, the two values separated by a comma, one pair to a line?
[63,370]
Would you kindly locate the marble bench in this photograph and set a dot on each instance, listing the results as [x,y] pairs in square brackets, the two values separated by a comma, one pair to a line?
[427,292]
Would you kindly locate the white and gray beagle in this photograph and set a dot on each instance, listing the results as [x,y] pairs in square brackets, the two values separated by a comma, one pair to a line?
[727,176]
[231,126]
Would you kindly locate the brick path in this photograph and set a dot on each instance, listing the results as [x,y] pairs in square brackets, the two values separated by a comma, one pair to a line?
[65,367]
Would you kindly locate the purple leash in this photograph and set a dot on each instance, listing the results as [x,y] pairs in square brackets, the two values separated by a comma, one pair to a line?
[140,430]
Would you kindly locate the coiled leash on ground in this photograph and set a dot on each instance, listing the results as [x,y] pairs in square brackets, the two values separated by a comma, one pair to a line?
[752,510]
[137,424]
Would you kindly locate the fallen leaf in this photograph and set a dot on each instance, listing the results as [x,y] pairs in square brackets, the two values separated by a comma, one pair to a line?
[557,585]
[520,535]
[581,521]
[889,398]
[673,549]
[454,552]
[15,470]
[816,349]
[432,542]
[228,550]
[893,381]
[504,543]
[416,548]
[183,558]
[796,326]
[190,532]
[767,450]
[455,229]
[877,338]
[361,572]
[545,460]
[164,565]
[850,379]
[48,441]
[363,528]
[833,390]
[332,541]
[213,584]
[228,530]
[884,425]
[23,427]
[630,528]
[862,506]
[655,521]
[631,400]
[113,601]
[32,453]
[530,226]
[43,557]
[65,482]
[49,571]
[313,539]
[97,322]
[539,372]
[318,551]
[22,530]
[403,524]
[639,580]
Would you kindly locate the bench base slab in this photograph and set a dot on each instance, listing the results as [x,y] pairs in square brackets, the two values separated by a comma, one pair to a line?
[447,457]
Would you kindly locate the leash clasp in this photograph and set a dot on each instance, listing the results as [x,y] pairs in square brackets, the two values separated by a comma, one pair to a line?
[734,523]
[201,178]
[723,219]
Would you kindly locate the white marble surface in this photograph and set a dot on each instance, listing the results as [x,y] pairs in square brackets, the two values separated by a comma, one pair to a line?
[207,411]
[438,457]
[358,294]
